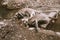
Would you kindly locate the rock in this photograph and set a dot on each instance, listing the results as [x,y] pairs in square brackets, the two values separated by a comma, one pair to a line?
[13,4]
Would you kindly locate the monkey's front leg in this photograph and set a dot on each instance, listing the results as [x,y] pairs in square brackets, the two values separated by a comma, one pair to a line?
[36,27]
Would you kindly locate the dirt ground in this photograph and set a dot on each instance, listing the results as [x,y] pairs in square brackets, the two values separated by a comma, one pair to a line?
[15,31]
